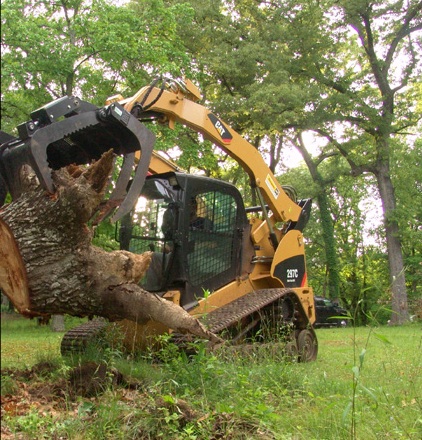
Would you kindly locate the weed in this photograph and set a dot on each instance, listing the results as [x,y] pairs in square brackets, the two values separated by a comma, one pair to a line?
[34,425]
[369,397]
[8,385]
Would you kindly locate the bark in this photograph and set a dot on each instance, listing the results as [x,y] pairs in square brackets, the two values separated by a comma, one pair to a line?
[330,243]
[399,305]
[326,222]
[12,270]
[68,275]
[57,323]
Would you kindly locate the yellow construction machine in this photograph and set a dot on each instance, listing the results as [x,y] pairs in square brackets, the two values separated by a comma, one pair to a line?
[240,270]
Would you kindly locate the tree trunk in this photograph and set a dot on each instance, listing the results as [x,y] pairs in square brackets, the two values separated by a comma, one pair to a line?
[326,222]
[399,306]
[57,323]
[66,274]
[330,244]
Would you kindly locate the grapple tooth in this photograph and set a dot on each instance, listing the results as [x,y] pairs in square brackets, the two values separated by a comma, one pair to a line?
[122,183]
[132,195]
[125,196]
[146,140]
[119,192]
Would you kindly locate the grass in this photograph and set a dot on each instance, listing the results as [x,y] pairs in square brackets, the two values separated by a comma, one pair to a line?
[24,342]
[240,397]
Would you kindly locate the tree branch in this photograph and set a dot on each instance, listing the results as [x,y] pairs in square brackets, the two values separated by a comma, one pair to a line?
[403,32]
[355,168]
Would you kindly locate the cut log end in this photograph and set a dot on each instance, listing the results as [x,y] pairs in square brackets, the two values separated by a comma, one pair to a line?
[13,278]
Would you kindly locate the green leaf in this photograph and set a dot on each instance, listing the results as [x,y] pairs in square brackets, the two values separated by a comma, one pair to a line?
[169,399]
[85,408]
[370,394]
[382,338]
[356,372]
[346,412]
[362,357]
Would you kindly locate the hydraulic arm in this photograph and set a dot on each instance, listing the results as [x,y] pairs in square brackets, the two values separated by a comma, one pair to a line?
[176,101]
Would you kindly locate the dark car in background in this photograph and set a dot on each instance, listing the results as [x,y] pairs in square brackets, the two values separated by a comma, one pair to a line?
[329,314]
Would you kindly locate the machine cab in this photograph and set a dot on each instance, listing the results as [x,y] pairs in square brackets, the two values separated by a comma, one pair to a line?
[196,228]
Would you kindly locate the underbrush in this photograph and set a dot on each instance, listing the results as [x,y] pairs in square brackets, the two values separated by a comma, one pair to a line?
[366,384]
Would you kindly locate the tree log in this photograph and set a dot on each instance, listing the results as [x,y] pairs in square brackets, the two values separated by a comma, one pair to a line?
[68,275]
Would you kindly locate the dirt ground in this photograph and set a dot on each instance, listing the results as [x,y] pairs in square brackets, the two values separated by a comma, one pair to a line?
[33,389]
[61,398]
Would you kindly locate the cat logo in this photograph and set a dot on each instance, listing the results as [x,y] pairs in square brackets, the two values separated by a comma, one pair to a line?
[220,128]
[225,135]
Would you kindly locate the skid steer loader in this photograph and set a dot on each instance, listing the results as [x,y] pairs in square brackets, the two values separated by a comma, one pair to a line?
[240,270]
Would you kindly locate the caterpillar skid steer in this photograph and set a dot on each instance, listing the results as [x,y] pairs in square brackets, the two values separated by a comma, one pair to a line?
[240,270]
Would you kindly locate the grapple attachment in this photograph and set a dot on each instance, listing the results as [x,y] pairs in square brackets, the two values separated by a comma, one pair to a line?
[70,131]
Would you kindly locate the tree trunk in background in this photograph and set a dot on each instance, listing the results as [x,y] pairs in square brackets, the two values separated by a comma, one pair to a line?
[57,323]
[330,245]
[399,305]
[66,274]
[326,223]
[6,303]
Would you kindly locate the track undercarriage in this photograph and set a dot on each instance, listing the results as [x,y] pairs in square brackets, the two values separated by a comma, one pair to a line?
[260,317]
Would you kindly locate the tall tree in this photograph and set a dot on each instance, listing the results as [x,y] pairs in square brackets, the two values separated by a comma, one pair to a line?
[407,177]
[372,97]
[325,213]
[251,80]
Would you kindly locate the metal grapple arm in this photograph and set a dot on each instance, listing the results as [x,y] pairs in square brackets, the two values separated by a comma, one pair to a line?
[70,131]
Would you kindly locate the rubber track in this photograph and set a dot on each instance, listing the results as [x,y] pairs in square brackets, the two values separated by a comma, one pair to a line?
[219,319]
[216,320]
[77,338]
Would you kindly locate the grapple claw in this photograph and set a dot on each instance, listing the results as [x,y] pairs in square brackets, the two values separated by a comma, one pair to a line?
[70,131]
[119,191]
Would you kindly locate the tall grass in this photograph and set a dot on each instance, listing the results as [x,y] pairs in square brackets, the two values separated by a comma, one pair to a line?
[248,396]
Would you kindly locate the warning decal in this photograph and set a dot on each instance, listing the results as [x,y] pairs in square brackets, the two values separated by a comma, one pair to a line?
[272,186]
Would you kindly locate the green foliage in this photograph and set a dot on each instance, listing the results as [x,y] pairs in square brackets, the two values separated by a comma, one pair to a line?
[357,385]
[8,385]
[91,49]
[280,69]
[274,71]
[407,176]
[105,236]
[362,263]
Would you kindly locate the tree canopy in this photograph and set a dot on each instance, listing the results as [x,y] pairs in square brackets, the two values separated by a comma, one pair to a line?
[91,49]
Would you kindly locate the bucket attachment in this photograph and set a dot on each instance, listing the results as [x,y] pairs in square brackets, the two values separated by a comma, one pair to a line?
[70,131]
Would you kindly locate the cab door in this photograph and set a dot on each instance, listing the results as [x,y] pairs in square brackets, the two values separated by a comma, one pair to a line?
[215,224]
